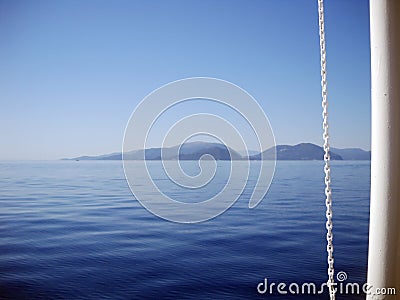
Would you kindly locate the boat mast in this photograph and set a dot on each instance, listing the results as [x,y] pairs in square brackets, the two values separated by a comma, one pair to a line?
[384,231]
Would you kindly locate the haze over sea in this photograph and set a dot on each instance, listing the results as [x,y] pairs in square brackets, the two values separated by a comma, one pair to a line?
[72,230]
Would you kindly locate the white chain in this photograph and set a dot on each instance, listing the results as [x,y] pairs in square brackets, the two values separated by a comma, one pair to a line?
[327,168]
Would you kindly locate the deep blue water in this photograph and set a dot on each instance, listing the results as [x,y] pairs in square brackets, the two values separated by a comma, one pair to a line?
[72,230]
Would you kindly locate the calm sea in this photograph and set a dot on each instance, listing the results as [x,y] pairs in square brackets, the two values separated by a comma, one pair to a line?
[72,230]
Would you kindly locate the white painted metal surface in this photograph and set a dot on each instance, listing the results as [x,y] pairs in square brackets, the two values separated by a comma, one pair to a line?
[384,236]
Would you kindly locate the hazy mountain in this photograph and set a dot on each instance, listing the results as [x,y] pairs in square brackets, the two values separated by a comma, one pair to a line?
[303,151]
[188,151]
[250,152]
[353,153]
[194,150]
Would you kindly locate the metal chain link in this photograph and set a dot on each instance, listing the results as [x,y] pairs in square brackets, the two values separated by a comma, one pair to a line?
[327,168]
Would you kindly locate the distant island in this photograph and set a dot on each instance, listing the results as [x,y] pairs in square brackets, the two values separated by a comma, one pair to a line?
[195,150]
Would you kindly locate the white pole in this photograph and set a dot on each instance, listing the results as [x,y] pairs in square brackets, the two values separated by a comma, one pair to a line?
[384,231]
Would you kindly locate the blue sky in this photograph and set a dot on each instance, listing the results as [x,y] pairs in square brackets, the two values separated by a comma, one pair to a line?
[71,72]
